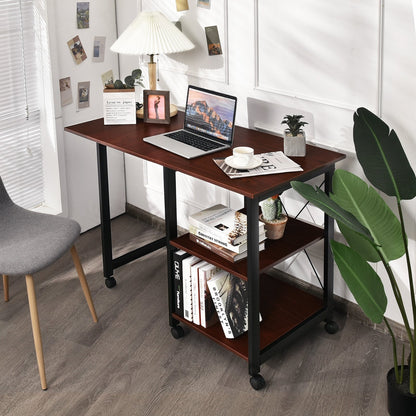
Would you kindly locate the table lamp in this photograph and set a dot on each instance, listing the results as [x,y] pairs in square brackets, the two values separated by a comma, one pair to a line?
[151,33]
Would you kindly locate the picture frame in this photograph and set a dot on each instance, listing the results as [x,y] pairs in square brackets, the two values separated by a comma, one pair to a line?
[156,106]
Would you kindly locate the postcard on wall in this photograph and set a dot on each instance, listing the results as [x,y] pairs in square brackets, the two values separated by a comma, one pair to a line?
[99,49]
[77,50]
[83,94]
[119,106]
[107,78]
[83,15]
[204,3]
[182,5]
[213,40]
[65,91]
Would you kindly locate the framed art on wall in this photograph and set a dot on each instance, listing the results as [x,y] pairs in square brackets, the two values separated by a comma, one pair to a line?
[156,106]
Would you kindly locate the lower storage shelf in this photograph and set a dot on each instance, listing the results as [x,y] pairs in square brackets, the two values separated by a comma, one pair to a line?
[282,306]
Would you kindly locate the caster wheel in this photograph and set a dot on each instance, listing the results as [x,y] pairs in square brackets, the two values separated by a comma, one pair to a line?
[177,332]
[331,327]
[110,282]
[257,382]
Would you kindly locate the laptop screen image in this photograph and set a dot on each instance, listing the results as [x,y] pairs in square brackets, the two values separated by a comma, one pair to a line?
[210,114]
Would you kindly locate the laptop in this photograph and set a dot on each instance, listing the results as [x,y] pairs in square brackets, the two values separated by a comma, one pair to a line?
[208,125]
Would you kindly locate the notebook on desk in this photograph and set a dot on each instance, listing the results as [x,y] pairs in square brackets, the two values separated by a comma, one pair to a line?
[208,125]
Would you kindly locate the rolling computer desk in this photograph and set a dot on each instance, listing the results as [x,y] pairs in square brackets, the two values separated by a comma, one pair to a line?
[287,311]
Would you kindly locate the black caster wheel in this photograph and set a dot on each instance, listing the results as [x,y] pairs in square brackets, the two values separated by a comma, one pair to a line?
[257,382]
[177,332]
[110,282]
[331,327]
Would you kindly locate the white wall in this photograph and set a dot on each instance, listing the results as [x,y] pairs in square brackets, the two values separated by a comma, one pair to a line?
[78,162]
[322,59]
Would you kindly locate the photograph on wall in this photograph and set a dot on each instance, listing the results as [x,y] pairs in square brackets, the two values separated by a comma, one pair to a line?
[182,5]
[213,40]
[83,94]
[65,91]
[107,78]
[98,49]
[204,3]
[77,50]
[83,15]
[156,106]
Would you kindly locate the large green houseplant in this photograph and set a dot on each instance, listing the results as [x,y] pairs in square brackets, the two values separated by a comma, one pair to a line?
[372,230]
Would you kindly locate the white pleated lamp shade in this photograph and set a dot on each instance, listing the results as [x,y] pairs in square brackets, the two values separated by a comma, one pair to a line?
[151,33]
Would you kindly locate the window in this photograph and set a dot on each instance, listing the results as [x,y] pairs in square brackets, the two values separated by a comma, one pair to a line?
[22,67]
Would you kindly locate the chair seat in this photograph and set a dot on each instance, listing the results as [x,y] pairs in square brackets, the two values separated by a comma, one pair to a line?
[31,241]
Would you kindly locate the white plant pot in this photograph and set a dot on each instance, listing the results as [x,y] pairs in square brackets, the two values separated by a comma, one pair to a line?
[294,146]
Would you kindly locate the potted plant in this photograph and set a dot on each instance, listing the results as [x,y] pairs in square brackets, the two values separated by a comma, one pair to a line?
[374,233]
[294,142]
[273,217]
[129,81]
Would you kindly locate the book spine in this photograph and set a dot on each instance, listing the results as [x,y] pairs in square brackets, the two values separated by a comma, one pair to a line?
[207,309]
[217,250]
[187,291]
[220,308]
[195,292]
[178,256]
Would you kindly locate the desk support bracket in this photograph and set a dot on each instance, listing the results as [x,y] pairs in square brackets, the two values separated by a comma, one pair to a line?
[110,263]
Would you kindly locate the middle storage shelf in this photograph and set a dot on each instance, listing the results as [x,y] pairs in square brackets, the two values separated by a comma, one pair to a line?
[298,236]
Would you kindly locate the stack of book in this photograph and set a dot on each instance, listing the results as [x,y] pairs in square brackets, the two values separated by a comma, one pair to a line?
[206,294]
[223,230]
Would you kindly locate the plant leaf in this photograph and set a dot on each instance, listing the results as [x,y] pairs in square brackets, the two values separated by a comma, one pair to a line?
[382,157]
[368,207]
[320,199]
[363,282]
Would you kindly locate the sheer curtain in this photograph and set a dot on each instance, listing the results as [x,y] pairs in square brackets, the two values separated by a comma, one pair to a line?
[22,67]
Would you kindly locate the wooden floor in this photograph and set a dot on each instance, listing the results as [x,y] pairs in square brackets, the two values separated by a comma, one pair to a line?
[129,364]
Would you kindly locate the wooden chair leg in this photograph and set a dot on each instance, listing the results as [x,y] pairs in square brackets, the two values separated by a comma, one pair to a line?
[36,329]
[6,287]
[84,283]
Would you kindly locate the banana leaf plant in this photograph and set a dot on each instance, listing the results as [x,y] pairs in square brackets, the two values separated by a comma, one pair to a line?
[374,233]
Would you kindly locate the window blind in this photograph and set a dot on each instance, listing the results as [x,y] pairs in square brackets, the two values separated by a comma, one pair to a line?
[20,97]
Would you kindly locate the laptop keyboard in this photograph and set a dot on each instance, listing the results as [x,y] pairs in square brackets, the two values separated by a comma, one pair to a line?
[192,140]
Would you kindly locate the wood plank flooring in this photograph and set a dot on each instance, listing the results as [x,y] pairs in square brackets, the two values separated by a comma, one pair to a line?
[129,364]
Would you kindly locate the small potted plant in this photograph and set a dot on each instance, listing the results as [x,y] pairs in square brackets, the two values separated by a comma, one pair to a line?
[273,217]
[294,137]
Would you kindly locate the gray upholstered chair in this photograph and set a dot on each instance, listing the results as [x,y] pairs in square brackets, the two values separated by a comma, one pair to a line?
[29,242]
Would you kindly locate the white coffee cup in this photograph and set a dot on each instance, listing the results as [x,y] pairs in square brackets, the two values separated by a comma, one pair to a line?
[243,155]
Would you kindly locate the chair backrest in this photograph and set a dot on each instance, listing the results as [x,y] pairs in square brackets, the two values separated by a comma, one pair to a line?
[5,199]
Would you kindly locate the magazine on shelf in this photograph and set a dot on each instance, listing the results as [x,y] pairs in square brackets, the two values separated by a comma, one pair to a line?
[230,297]
[187,286]
[221,225]
[195,291]
[208,314]
[272,162]
[220,250]
[178,257]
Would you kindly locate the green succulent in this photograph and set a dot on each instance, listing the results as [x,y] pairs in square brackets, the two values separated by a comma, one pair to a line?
[294,125]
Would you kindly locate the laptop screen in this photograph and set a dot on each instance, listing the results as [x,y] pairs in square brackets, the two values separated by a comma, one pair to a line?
[210,114]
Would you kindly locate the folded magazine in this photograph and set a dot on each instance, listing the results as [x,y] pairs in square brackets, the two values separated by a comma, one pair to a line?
[272,162]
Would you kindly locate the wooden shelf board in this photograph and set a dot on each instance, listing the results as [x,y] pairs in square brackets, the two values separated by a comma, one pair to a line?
[298,235]
[282,306]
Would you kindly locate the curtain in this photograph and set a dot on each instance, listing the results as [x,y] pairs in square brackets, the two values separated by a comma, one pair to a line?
[20,102]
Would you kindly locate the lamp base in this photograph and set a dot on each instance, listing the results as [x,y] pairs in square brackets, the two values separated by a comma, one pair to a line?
[173,111]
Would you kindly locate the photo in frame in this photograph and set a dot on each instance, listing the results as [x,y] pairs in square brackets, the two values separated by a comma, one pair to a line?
[156,106]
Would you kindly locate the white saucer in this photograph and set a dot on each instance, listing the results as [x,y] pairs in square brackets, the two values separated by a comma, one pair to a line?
[256,162]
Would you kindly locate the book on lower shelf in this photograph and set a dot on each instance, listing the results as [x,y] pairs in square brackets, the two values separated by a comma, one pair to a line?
[187,264]
[208,314]
[230,297]
[195,291]
[221,225]
[178,257]
[222,251]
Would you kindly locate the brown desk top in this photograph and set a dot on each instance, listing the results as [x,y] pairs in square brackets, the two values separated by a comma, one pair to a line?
[128,139]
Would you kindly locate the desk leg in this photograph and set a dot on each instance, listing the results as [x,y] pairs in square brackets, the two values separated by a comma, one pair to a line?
[107,250]
[330,326]
[169,184]
[252,205]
